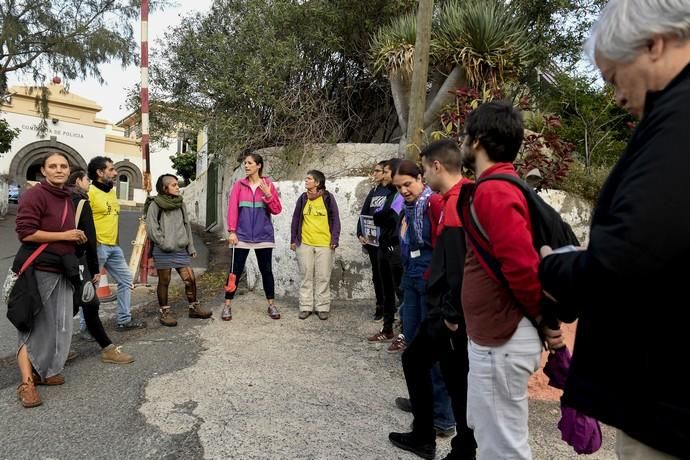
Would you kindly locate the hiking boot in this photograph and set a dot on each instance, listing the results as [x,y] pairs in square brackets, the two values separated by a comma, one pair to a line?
[410,443]
[28,395]
[454,455]
[398,344]
[197,311]
[167,317]
[227,313]
[403,404]
[304,314]
[445,432]
[323,315]
[381,336]
[114,355]
[273,312]
[131,324]
[53,380]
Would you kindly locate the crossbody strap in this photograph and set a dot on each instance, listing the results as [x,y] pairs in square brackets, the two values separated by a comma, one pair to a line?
[80,208]
[40,249]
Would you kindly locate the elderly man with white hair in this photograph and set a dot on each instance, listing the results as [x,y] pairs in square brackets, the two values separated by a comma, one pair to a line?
[631,283]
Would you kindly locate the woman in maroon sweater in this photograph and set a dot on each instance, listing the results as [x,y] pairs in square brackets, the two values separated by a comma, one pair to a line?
[46,215]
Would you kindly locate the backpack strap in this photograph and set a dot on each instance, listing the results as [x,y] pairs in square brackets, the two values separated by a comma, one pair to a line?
[489,260]
[77,216]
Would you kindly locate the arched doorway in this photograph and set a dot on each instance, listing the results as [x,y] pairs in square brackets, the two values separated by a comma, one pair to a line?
[26,164]
[129,177]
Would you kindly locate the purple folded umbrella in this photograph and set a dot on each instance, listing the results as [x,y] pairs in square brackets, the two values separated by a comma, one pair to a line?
[580,431]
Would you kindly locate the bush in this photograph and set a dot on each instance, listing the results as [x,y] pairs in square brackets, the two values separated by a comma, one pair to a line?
[583,183]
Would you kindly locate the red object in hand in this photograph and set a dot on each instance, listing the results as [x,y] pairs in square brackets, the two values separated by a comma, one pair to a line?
[231,285]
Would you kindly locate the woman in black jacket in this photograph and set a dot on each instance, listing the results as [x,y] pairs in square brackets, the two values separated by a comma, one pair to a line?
[79,183]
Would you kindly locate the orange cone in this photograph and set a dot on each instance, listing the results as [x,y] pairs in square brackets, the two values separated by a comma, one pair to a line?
[103,292]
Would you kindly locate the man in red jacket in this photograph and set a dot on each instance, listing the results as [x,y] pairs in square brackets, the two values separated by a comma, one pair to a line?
[504,348]
[441,338]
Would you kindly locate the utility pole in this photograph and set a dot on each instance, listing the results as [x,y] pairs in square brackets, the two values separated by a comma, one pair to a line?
[415,123]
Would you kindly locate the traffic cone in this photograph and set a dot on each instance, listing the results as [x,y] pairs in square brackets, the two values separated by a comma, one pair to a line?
[103,292]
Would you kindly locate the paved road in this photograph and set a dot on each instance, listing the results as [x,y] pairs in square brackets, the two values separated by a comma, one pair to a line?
[9,245]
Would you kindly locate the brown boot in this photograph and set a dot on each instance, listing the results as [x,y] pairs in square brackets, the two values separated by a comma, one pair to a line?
[114,355]
[58,379]
[197,311]
[28,395]
[167,317]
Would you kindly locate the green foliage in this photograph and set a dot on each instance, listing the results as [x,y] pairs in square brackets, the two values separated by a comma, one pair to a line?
[7,135]
[185,165]
[70,38]
[485,38]
[261,73]
[583,182]
[393,46]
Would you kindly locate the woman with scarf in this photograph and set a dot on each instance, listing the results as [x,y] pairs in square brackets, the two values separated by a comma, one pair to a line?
[78,184]
[45,226]
[314,235]
[421,213]
[170,233]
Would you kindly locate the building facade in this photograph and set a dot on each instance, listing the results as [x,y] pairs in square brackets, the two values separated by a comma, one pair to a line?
[75,130]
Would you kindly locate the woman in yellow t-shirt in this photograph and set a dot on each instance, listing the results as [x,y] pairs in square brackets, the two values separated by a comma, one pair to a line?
[314,235]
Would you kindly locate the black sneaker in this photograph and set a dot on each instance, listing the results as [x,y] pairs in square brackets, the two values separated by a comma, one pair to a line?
[410,443]
[453,455]
[132,324]
[403,404]
[445,432]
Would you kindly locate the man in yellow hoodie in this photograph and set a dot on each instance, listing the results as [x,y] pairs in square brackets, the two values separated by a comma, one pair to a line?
[106,215]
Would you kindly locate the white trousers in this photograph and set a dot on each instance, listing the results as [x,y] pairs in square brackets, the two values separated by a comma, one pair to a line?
[497,394]
[315,264]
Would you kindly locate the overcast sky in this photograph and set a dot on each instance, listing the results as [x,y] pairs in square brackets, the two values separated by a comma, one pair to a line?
[111,96]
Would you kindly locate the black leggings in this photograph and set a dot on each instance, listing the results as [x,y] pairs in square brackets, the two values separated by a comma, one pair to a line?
[94,325]
[187,275]
[264,257]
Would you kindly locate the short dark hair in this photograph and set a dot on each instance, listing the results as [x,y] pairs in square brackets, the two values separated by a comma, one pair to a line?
[50,154]
[498,128]
[160,183]
[446,152]
[381,163]
[96,164]
[392,164]
[407,168]
[75,176]
[318,177]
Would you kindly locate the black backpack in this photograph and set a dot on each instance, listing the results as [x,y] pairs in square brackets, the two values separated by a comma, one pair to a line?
[548,228]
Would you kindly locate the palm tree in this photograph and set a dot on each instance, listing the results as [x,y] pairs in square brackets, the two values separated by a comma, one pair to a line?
[476,43]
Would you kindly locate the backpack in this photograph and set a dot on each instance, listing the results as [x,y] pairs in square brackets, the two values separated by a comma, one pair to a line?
[548,228]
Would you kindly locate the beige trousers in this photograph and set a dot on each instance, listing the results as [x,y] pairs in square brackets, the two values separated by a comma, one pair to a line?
[315,265]
[628,448]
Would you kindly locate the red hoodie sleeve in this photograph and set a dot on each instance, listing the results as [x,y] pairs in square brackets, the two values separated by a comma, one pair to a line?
[435,211]
[503,212]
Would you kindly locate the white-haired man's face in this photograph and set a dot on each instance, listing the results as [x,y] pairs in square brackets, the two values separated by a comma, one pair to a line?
[631,80]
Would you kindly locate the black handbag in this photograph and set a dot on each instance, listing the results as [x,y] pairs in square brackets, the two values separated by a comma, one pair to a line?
[24,301]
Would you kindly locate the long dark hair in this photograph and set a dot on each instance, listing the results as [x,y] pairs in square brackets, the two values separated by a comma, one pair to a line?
[75,176]
[258,159]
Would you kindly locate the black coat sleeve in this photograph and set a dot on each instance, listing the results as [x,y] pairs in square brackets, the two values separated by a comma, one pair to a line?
[365,208]
[87,225]
[641,227]
[454,257]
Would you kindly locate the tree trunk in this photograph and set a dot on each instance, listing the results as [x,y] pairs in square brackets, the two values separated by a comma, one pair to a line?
[400,88]
[455,79]
[415,124]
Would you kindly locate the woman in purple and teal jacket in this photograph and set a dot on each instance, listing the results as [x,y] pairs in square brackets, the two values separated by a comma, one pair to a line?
[252,202]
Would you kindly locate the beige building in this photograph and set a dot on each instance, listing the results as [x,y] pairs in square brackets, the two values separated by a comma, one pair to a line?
[75,130]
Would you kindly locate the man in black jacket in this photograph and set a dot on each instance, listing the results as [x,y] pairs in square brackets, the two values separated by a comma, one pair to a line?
[631,281]
[373,202]
[441,337]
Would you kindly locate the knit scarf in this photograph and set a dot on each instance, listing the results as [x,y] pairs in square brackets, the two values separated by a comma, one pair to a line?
[419,211]
[168,202]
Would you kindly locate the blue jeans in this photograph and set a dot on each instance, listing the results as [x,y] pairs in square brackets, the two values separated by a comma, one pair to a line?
[412,313]
[114,261]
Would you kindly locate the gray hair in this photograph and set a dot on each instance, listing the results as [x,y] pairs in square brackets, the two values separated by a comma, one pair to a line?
[625,26]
